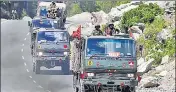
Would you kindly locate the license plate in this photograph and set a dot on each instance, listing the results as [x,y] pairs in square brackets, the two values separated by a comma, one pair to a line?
[53,57]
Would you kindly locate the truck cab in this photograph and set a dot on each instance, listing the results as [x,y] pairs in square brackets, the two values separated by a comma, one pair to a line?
[50,48]
[107,64]
[44,8]
[43,22]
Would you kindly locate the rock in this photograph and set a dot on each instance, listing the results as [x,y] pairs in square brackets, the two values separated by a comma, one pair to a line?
[165,59]
[159,68]
[140,61]
[135,2]
[117,12]
[164,34]
[135,29]
[145,67]
[150,85]
[141,26]
[102,17]
[163,73]
[82,16]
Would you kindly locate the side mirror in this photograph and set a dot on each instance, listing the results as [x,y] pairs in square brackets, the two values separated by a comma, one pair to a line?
[29,23]
[83,45]
[71,38]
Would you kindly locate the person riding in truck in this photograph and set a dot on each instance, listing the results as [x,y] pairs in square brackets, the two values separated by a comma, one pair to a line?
[97,31]
[53,4]
[52,10]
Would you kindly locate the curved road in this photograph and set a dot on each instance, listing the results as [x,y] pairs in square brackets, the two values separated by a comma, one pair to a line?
[16,63]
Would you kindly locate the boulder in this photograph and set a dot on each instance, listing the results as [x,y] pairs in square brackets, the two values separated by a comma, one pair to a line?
[150,85]
[165,59]
[163,73]
[141,26]
[164,34]
[102,17]
[140,61]
[145,67]
[136,29]
[159,68]
[117,12]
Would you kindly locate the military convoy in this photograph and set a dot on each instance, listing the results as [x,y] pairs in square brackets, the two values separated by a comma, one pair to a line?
[99,63]
[49,39]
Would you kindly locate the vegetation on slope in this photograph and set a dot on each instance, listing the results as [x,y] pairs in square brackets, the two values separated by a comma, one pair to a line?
[144,14]
[149,14]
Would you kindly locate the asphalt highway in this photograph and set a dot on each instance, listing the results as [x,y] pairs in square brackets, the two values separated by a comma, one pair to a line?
[16,63]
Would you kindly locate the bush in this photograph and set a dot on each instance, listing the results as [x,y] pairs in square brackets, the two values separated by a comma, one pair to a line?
[75,9]
[144,13]
[107,5]
[24,13]
[153,48]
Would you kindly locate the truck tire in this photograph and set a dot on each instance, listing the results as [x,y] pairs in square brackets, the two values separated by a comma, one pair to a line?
[128,89]
[66,67]
[37,68]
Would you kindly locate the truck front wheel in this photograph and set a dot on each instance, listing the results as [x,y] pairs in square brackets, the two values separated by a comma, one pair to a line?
[37,67]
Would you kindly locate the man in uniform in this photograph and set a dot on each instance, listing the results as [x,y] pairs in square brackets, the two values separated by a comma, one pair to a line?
[97,31]
[52,10]
[110,30]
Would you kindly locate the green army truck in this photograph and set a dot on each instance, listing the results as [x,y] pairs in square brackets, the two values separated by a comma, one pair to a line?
[104,64]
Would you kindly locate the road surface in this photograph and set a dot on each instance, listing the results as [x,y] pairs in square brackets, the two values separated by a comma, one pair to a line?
[16,63]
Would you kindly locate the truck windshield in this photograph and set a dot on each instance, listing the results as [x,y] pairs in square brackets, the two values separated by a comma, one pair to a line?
[51,36]
[45,23]
[111,47]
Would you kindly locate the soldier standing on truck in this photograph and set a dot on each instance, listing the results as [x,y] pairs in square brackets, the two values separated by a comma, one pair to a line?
[52,10]
[97,31]
[110,30]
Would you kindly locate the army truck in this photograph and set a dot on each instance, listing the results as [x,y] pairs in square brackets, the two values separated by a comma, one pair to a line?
[101,63]
[44,22]
[50,48]
[47,10]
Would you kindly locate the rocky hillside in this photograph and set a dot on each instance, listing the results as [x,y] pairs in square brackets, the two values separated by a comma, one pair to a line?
[157,35]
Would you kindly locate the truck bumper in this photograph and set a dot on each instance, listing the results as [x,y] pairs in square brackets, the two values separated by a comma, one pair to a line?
[52,63]
[110,82]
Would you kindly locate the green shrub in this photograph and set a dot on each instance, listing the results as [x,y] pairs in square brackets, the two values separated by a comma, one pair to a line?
[152,46]
[24,13]
[75,9]
[144,13]
[107,5]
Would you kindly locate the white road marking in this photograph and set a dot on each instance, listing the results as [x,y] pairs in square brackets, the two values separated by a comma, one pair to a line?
[22,44]
[22,57]
[24,38]
[21,50]
[34,81]
[30,77]
[40,86]
[27,33]
[27,70]
[24,63]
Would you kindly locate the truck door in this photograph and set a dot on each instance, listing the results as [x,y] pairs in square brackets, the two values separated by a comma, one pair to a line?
[33,38]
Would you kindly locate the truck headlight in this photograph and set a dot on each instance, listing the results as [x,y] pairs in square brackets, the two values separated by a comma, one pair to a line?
[66,53]
[90,74]
[40,53]
[130,75]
